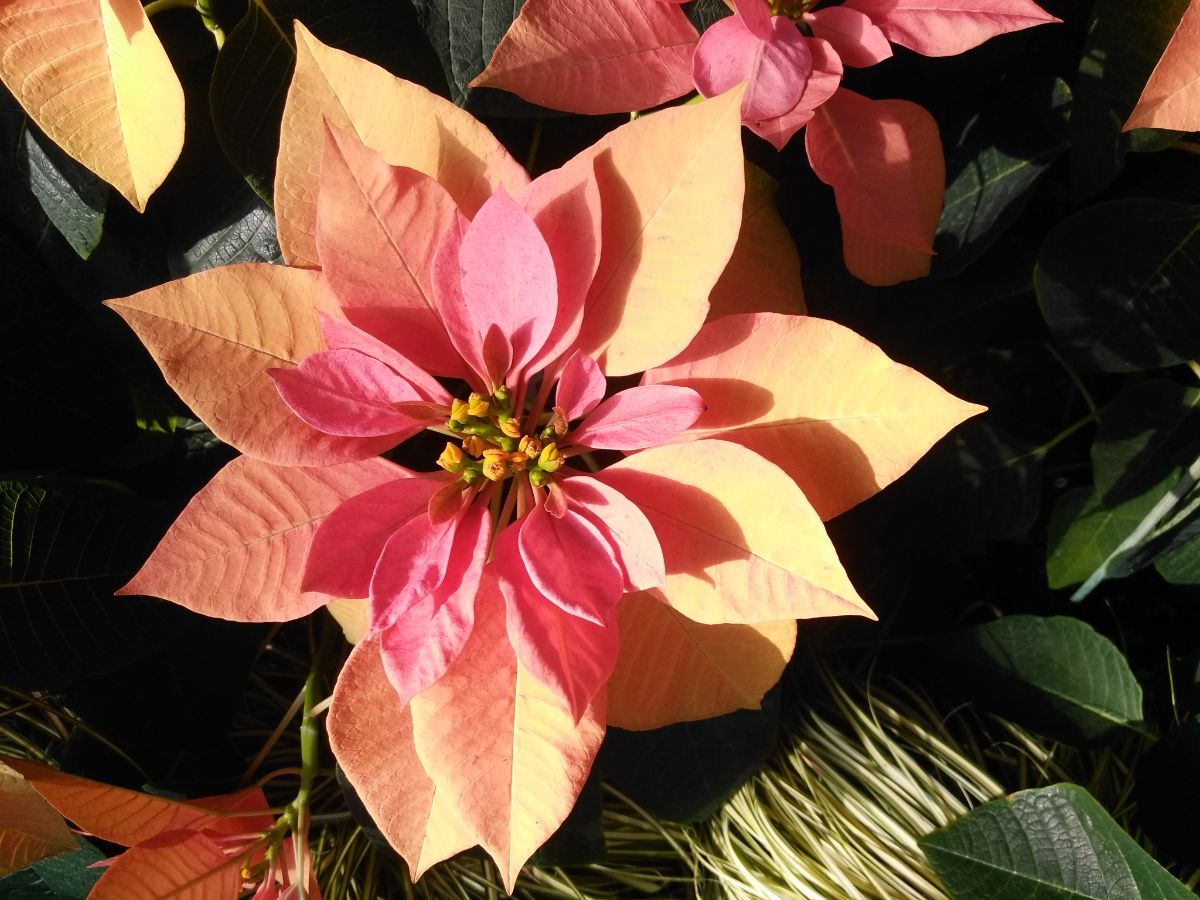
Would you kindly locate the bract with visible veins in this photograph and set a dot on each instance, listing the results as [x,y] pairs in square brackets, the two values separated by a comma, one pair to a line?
[503,591]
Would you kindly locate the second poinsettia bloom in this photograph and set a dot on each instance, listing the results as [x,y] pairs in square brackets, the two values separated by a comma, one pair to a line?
[790,57]
[565,546]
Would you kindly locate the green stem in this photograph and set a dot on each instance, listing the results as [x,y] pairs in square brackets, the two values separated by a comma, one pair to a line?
[1064,434]
[203,7]
[156,6]
[535,143]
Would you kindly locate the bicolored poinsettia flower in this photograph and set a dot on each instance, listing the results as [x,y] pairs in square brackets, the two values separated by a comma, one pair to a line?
[883,158]
[622,518]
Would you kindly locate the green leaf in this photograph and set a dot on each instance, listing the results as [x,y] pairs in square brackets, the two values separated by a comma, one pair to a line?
[1124,43]
[464,34]
[1148,437]
[1181,565]
[72,197]
[684,772]
[1053,843]
[243,232]
[254,67]
[993,166]
[64,548]
[1054,675]
[67,877]
[1117,284]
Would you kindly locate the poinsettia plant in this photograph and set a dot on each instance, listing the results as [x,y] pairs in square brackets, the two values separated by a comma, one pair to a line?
[586,551]
[883,158]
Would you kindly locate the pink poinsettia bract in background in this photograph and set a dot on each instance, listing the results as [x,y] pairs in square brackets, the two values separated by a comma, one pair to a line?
[621,518]
[883,158]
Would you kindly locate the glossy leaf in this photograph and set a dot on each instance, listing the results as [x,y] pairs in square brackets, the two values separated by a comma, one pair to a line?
[1115,283]
[402,121]
[243,232]
[188,865]
[511,760]
[763,274]
[671,187]
[216,333]
[883,159]
[237,551]
[253,68]
[67,548]
[1054,675]
[1147,437]
[66,877]
[1171,98]
[671,669]
[95,78]
[717,509]
[31,829]
[813,397]
[1053,843]
[72,197]
[582,57]
[1123,46]
[949,27]
[995,165]
[372,737]
[464,35]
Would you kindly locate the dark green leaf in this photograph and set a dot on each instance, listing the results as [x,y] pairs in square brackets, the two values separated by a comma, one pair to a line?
[982,484]
[1054,675]
[253,69]
[1118,284]
[64,549]
[1168,792]
[1148,437]
[1124,43]
[244,232]
[1053,843]
[66,877]
[62,401]
[993,166]
[72,197]
[465,33]
[1181,565]
[685,772]
[704,12]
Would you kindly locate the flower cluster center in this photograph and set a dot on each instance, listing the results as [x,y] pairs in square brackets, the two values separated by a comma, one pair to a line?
[791,9]
[497,444]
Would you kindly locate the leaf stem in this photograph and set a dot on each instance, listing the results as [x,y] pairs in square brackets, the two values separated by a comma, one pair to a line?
[209,17]
[1074,376]
[1064,434]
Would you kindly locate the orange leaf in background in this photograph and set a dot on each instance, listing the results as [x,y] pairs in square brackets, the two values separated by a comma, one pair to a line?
[510,760]
[671,188]
[1171,98]
[741,542]
[215,333]
[763,275]
[570,55]
[117,814]
[30,829]
[672,669]
[402,121]
[883,159]
[187,865]
[237,551]
[822,403]
[372,737]
[93,75]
